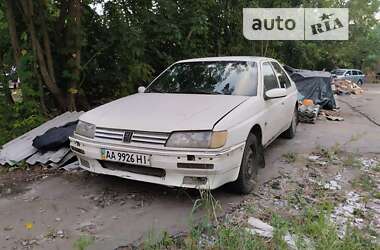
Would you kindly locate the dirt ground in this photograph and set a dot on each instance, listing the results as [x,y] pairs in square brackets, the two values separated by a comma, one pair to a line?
[42,209]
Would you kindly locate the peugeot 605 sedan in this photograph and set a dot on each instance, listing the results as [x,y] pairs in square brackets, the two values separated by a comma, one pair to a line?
[200,124]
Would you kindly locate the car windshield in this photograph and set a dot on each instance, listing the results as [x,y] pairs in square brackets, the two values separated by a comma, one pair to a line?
[338,72]
[222,77]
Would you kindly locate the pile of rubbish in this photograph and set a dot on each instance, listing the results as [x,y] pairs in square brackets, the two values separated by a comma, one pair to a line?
[347,87]
[308,111]
[332,115]
[46,145]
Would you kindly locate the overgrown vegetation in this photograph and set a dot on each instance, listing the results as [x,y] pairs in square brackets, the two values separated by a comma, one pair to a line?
[312,229]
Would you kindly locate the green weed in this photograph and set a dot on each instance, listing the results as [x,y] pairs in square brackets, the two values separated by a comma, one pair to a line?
[364,182]
[290,157]
[351,160]
[83,242]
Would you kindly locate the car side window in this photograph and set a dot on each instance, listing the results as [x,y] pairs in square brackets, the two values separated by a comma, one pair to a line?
[281,75]
[360,73]
[355,73]
[348,73]
[270,79]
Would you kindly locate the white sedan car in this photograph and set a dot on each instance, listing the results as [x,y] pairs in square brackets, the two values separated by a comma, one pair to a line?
[200,124]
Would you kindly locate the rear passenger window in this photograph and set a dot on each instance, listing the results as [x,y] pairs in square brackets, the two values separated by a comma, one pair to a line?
[270,79]
[282,77]
[360,73]
[355,73]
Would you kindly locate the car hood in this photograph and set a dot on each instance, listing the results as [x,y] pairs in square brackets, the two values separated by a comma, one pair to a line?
[163,112]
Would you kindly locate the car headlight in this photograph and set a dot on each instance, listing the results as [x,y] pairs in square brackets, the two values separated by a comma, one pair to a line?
[85,129]
[197,139]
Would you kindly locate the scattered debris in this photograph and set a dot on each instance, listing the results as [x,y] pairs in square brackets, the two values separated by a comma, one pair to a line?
[332,185]
[317,159]
[368,164]
[72,166]
[308,113]
[261,228]
[334,118]
[347,87]
[265,230]
[345,213]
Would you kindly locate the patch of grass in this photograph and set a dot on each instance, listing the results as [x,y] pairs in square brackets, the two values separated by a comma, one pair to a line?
[376,195]
[281,228]
[290,157]
[83,242]
[330,153]
[351,160]
[233,237]
[209,204]
[364,182]
[297,198]
[377,168]
[160,241]
[315,226]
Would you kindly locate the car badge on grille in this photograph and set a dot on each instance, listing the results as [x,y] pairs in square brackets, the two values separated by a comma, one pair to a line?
[127,136]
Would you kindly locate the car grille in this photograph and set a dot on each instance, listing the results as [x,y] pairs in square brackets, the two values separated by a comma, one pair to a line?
[144,137]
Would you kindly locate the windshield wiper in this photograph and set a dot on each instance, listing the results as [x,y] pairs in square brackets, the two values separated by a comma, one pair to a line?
[154,90]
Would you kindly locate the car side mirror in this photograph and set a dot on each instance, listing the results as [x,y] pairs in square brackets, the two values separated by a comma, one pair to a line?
[275,93]
[141,89]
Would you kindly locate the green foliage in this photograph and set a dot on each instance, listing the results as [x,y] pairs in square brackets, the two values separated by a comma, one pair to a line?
[364,182]
[83,242]
[18,118]
[290,157]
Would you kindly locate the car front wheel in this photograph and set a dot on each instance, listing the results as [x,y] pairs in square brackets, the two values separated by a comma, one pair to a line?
[250,164]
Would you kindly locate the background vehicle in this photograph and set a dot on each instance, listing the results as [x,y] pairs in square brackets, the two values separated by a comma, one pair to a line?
[354,75]
[200,124]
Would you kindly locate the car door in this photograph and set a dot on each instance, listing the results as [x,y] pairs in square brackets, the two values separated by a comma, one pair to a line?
[272,107]
[287,103]
[348,75]
[361,76]
[355,76]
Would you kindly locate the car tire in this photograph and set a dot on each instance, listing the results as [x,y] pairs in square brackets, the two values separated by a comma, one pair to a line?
[360,83]
[251,162]
[291,131]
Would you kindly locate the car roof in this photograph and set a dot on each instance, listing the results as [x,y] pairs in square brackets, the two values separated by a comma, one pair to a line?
[348,69]
[229,58]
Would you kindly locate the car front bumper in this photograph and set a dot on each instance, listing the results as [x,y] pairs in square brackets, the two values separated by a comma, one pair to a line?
[222,166]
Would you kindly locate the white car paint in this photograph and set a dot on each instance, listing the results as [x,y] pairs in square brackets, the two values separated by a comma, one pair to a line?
[166,113]
[169,112]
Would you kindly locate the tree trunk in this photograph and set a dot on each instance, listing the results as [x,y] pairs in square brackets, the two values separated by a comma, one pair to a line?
[46,42]
[13,31]
[48,78]
[74,36]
